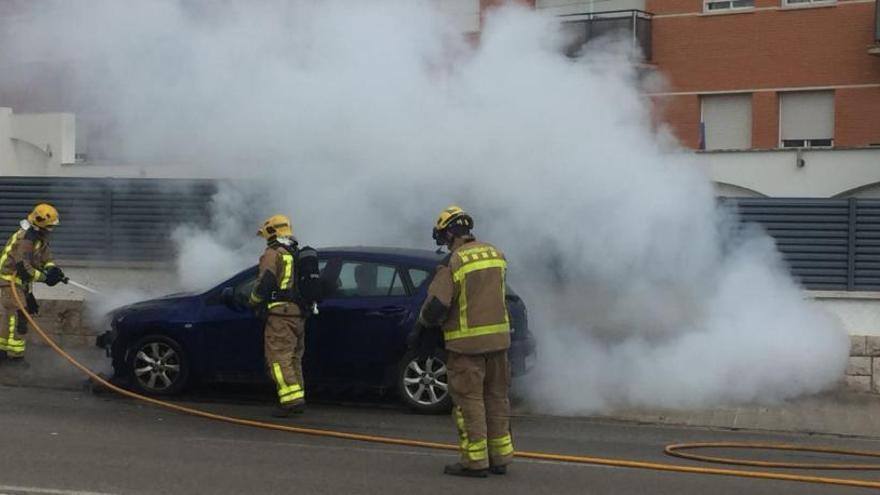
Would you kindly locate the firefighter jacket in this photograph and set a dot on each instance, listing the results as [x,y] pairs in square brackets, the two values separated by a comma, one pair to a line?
[467,299]
[25,259]
[275,285]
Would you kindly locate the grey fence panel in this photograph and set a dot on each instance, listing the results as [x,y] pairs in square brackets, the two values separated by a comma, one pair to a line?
[813,236]
[108,219]
[867,246]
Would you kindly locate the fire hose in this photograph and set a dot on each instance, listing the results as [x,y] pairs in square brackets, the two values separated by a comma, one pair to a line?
[540,456]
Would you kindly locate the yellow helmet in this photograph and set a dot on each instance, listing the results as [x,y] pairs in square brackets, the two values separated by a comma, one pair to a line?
[275,226]
[44,216]
[451,216]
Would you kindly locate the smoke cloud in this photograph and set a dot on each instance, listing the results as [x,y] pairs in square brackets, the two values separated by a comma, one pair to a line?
[363,119]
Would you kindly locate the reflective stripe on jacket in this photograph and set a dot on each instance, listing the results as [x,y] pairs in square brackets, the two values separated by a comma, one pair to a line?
[29,248]
[278,262]
[472,285]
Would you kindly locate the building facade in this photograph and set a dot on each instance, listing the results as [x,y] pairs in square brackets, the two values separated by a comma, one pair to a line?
[768,74]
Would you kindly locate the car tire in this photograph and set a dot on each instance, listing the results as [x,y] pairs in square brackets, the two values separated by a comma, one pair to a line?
[423,383]
[157,365]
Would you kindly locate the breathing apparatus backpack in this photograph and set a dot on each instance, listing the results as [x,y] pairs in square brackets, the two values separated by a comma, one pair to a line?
[308,279]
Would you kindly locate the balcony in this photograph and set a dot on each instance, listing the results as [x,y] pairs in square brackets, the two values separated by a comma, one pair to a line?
[634,25]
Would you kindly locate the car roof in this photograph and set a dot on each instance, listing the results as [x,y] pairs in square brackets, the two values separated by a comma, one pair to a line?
[406,255]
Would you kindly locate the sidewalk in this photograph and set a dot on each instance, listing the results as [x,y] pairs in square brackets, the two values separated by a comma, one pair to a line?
[838,413]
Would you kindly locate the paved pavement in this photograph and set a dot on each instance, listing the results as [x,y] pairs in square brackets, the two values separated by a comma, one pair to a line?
[58,441]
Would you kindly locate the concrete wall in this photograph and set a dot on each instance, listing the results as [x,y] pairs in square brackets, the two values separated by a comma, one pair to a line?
[776,173]
[36,144]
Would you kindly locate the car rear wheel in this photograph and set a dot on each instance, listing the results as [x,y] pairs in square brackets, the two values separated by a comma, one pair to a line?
[423,382]
[158,366]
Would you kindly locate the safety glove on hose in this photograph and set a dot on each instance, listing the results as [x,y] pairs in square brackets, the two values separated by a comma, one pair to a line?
[54,275]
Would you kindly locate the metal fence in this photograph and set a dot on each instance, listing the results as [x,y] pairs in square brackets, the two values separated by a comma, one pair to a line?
[829,244]
[108,219]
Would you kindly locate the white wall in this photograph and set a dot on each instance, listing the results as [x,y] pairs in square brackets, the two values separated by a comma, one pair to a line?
[858,312]
[36,144]
[825,173]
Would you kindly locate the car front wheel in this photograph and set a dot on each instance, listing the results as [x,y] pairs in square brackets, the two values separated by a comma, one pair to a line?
[423,382]
[157,366]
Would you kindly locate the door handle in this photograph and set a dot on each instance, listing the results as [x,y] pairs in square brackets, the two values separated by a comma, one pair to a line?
[387,311]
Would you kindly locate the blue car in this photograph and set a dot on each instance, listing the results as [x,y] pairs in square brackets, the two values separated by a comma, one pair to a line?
[357,340]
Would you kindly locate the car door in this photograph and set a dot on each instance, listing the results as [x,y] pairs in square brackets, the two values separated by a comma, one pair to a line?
[233,335]
[361,322]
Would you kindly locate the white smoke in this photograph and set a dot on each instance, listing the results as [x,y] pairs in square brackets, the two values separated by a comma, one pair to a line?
[363,119]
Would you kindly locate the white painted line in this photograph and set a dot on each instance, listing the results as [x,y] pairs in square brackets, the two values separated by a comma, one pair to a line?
[45,491]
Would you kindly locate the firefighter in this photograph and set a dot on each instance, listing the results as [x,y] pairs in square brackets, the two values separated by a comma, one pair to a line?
[25,259]
[275,297]
[466,300]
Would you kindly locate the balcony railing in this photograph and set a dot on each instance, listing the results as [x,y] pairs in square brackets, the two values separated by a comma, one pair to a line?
[635,25]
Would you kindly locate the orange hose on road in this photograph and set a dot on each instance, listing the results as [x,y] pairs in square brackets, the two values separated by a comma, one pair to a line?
[541,456]
[676,451]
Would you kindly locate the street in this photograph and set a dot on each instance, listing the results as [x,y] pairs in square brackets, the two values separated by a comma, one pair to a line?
[65,442]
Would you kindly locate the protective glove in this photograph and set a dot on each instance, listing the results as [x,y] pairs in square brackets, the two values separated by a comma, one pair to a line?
[54,275]
[31,304]
[423,340]
[21,327]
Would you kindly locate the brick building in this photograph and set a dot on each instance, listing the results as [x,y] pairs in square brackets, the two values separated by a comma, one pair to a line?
[769,73]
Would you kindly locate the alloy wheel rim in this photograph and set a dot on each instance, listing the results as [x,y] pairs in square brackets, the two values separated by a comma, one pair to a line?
[157,366]
[425,381]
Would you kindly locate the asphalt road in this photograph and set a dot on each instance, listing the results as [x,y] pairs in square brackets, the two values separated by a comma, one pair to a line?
[63,442]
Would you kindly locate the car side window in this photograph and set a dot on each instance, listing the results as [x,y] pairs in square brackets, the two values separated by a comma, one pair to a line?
[366,279]
[418,277]
[246,286]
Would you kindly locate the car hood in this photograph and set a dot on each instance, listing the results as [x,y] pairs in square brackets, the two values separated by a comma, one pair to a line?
[163,301]
[152,308]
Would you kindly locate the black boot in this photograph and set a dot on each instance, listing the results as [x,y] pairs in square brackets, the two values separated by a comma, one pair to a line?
[459,470]
[18,362]
[498,469]
[281,411]
[286,410]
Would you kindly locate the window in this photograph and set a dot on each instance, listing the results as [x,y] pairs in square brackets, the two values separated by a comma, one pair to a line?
[726,122]
[722,5]
[418,277]
[364,279]
[789,3]
[806,119]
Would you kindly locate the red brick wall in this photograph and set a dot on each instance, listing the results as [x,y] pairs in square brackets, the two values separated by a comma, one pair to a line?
[682,113]
[771,48]
[765,120]
[857,116]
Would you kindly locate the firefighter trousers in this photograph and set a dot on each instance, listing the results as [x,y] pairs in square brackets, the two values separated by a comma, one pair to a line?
[284,346]
[479,385]
[13,325]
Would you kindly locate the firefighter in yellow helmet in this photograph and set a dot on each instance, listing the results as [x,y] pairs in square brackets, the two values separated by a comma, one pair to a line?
[25,259]
[466,300]
[274,295]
